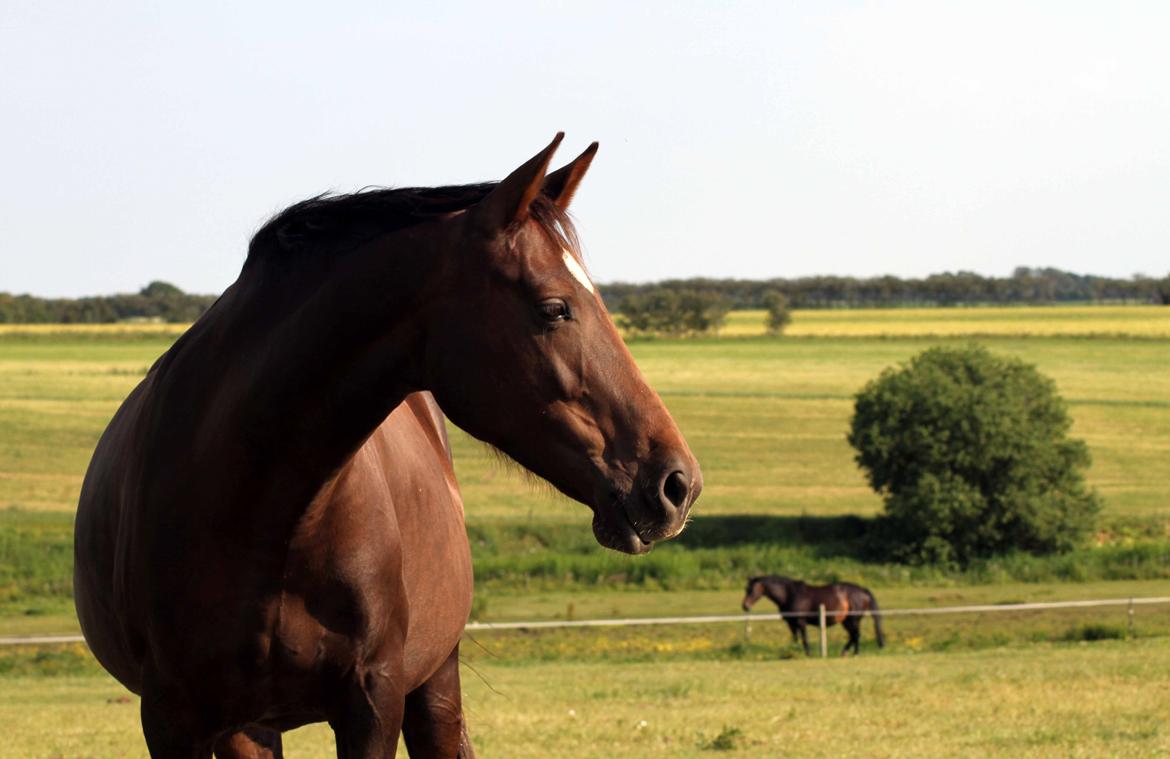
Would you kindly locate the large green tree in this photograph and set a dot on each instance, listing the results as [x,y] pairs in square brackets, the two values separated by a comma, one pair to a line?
[972,455]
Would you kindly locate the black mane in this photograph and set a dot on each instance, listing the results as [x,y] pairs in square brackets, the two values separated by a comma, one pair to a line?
[330,222]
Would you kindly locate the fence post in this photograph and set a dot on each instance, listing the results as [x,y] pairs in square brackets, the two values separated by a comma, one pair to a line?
[747,628]
[824,634]
[1129,616]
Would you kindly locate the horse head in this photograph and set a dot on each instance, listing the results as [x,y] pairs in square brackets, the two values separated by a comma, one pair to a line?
[752,593]
[775,588]
[522,354]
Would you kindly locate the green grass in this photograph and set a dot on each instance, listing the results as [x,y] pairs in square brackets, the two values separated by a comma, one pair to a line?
[1080,320]
[1050,699]
[766,417]
[717,553]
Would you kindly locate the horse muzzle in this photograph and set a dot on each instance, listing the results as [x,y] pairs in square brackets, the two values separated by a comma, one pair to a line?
[655,509]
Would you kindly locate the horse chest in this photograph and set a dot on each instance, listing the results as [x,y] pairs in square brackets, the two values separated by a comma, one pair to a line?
[381,563]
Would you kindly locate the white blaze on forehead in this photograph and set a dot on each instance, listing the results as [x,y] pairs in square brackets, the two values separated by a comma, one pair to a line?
[576,270]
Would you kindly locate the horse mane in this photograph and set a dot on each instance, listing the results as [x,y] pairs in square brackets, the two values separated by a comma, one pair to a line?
[337,222]
[774,578]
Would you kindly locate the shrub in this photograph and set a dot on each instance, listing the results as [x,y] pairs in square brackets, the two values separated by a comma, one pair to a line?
[778,312]
[971,454]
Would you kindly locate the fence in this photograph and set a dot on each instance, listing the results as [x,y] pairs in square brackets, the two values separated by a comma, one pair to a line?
[820,614]
[1131,603]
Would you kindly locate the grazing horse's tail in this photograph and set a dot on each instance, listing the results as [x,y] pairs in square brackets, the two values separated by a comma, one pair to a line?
[876,613]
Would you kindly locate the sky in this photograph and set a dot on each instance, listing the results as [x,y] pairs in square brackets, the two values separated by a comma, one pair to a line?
[144,141]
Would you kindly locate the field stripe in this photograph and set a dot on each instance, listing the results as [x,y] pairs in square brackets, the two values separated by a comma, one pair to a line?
[749,394]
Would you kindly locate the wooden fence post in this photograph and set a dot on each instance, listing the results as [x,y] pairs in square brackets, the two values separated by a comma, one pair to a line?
[824,634]
[1129,616]
[747,628]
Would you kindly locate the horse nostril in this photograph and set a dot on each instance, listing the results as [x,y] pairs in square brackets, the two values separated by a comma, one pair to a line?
[676,488]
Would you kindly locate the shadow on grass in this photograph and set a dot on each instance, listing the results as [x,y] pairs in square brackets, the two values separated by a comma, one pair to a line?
[837,536]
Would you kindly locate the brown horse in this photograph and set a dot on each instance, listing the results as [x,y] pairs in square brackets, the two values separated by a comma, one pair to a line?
[799,604]
[270,532]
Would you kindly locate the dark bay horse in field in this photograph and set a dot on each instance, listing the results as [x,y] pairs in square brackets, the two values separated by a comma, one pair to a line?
[270,533]
[844,602]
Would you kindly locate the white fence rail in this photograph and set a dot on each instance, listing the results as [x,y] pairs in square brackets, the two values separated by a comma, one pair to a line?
[636,621]
[980,609]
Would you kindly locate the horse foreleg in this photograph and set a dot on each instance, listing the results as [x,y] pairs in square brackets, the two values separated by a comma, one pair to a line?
[368,720]
[250,743]
[433,723]
[171,733]
[804,638]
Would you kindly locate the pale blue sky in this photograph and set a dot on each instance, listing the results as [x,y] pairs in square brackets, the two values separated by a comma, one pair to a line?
[746,139]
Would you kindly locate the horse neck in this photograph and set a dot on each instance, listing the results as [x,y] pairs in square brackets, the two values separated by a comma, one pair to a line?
[309,363]
[778,591]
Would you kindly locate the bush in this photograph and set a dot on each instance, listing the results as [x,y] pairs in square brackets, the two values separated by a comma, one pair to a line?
[972,455]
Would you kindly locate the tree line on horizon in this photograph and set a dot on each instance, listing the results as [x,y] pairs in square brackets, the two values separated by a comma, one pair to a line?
[157,302]
[1026,286]
[162,301]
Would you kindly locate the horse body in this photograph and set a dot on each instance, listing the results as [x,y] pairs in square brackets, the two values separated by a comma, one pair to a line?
[303,602]
[844,603]
[270,531]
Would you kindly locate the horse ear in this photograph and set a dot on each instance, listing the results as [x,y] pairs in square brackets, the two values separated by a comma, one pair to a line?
[508,202]
[562,183]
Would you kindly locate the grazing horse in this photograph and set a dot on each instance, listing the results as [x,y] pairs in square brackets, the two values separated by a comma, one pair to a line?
[270,533]
[844,603]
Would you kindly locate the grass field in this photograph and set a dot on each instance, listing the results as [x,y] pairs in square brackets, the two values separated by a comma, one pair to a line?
[767,419]
[1055,700]
[999,321]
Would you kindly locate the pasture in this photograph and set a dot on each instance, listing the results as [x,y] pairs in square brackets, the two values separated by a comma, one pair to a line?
[767,419]
[1001,702]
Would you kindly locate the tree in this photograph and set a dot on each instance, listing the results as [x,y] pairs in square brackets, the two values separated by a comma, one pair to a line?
[779,315]
[703,310]
[1161,295]
[972,456]
[665,311]
[160,289]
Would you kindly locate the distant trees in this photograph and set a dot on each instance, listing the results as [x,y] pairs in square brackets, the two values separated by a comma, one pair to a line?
[160,301]
[972,455]
[665,311]
[685,306]
[778,313]
[1025,286]
[1162,292]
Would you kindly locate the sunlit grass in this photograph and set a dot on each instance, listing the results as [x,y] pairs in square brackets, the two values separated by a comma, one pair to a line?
[120,329]
[767,417]
[1088,699]
[1004,321]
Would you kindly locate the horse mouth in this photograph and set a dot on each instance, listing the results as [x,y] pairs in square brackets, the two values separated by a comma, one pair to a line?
[613,529]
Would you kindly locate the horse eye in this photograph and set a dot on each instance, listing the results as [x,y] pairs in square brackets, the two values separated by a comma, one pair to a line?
[554,310]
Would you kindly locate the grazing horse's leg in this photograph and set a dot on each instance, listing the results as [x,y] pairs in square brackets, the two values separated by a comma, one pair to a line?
[803,627]
[250,743]
[433,725]
[852,626]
